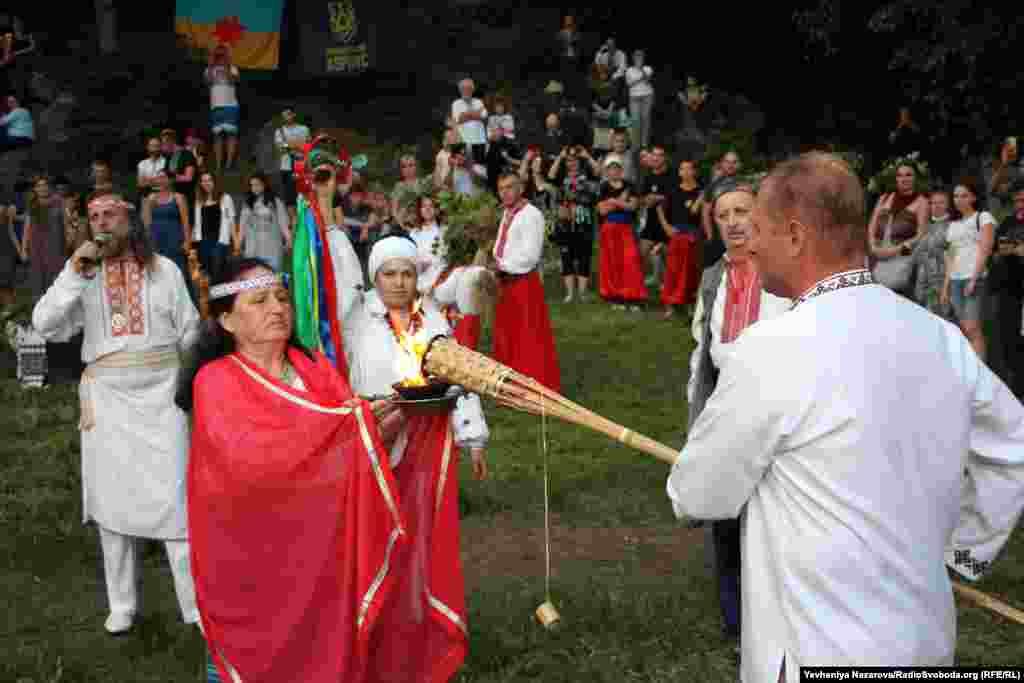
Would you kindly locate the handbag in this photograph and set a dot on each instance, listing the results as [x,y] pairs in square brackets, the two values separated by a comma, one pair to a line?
[895,272]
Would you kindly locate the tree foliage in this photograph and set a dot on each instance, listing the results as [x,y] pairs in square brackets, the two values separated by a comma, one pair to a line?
[956,60]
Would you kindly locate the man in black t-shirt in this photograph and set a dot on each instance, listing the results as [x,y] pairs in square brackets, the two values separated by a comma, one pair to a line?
[654,189]
[1006,291]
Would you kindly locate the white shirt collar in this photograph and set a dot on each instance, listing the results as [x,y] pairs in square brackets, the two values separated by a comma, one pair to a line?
[847,278]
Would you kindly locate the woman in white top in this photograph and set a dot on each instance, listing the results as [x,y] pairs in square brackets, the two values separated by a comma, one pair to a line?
[641,98]
[214,220]
[430,263]
[264,230]
[969,240]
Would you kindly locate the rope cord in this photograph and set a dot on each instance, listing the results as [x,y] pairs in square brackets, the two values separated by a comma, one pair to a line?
[547,517]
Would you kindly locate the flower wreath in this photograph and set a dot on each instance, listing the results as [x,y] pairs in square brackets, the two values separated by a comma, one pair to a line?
[885,180]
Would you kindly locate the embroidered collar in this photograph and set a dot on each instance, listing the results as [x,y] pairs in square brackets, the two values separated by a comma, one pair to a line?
[849,278]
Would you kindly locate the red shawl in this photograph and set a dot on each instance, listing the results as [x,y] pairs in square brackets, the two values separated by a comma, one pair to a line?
[421,636]
[297,528]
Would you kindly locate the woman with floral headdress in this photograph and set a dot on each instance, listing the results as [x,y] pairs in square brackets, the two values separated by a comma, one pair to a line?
[899,222]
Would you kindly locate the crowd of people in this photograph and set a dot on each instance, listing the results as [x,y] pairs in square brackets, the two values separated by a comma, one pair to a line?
[779,280]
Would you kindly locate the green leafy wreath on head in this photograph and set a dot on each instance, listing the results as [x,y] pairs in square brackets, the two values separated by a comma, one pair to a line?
[885,180]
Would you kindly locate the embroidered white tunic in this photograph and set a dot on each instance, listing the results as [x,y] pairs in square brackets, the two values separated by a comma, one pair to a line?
[371,350]
[524,241]
[771,306]
[458,290]
[134,458]
[842,430]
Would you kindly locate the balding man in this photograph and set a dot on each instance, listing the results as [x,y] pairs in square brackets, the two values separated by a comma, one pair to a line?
[470,115]
[862,440]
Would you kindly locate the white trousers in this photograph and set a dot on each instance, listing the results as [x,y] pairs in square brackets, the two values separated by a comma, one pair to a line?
[121,568]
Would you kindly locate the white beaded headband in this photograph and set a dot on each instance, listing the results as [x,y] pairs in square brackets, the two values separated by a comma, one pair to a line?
[231,288]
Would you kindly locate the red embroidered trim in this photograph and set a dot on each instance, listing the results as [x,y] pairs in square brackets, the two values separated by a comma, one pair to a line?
[124,295]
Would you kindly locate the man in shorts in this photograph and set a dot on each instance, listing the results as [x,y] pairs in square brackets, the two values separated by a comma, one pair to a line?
[222,77]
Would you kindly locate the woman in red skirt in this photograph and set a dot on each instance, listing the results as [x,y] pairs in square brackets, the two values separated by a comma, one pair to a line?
[622,276]
[679,217]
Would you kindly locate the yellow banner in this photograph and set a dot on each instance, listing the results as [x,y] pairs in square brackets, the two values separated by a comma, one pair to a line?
[253,50]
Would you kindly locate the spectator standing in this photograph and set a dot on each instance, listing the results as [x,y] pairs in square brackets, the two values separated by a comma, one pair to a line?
[641,98]
[470,115]
[181,165]
[16,127]
[289,140]
[500,157]
[621,149]
[501,119]
[898,223]
[678,215]
[165,214]
[1006,296]
[568,39]
[464,176]
[442,162]
[574,233]
[555,139]
[654,191]
[10,252]
[1002,174]
[622,276]
[906,138]
[225,113]
[16,47]
[603,108]
[148,168]
[214,222]
[409,184]
[615,59]
[102,177]
[970,239]
[930,258]
[197,146]
[43,243]
[76,225]
[263,227]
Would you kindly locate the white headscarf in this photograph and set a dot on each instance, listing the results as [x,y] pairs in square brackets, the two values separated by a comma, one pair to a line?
[390,248]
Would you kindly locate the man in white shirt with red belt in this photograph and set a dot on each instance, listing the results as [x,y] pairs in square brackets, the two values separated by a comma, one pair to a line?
[523,339]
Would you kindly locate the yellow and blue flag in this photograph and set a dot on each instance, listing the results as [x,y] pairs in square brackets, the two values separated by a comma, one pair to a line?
[252,30]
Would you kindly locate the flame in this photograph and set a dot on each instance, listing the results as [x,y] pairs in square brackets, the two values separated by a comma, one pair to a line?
[412,348]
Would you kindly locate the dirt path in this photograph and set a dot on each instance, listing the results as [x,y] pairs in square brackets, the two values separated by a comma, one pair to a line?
[506,545]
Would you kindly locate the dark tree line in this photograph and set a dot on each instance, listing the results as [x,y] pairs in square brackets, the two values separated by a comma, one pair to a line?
[956,62]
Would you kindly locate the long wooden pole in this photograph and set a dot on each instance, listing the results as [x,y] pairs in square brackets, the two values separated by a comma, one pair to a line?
[988,602]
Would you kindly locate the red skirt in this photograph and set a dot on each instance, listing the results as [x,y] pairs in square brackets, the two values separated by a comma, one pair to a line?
[467,331]
[682,274]
[523,339]
[622,277]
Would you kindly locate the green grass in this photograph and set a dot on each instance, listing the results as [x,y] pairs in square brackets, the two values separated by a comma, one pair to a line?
[637,602]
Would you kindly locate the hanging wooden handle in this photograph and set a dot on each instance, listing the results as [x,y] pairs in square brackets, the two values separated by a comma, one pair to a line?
[988,602]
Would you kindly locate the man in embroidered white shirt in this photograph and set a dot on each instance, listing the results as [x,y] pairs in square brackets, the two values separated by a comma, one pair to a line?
[470,115]
[523,339]
[862,442]
[137,316]
[730,300]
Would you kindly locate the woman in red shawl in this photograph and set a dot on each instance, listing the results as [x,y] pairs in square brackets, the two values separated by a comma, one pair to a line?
[297,528]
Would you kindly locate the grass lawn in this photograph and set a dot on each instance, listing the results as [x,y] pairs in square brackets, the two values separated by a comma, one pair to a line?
[636,599]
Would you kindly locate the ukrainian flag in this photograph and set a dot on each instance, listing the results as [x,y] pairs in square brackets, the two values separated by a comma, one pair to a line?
[251,29]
